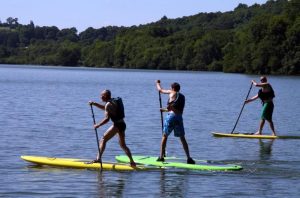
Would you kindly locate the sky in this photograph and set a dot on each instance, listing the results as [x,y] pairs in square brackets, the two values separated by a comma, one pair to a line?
[82,14]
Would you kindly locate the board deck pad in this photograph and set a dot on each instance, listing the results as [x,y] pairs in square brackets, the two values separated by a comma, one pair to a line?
[180,163]
[249,135]
[80,163]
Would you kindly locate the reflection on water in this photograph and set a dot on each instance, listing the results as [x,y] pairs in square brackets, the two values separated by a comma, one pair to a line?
[109,186]
[265,149]
[170,186]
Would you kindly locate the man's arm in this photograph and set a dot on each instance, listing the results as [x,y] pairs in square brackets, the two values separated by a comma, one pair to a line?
[160,89]
[100,106]
[252,99]
[102,122]
[259,84]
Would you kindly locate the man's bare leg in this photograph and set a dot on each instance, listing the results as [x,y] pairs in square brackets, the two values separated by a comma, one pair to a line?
[261,126]
[125,148]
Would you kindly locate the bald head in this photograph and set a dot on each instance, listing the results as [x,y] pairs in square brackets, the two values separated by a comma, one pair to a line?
[105,95]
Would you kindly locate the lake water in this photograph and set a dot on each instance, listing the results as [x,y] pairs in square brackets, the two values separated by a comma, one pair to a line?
[45,111]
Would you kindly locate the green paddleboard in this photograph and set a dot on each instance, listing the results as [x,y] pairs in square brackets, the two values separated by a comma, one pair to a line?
[180,163]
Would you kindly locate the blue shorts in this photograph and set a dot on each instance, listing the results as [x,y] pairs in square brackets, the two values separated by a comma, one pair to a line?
[174,122]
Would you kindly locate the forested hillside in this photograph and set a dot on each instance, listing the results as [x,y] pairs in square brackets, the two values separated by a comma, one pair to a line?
[258,39]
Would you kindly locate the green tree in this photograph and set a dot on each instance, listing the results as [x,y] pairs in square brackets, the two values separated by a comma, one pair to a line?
[68,54]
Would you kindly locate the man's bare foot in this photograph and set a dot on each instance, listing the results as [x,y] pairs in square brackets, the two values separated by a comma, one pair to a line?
[133,164]
[93,161]
[257,133]
[274,134]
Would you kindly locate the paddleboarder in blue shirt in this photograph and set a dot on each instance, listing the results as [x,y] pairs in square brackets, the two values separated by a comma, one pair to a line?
[266,94]
[173,120]
[114,111]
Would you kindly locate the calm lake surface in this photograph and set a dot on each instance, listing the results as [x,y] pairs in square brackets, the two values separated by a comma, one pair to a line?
[45,111]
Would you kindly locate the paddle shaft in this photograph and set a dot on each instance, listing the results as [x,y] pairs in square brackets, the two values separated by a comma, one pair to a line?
[161,113]
[242,109]
[97,138]
[161,117]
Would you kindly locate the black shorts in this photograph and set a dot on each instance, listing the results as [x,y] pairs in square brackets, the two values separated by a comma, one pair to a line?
[121,126]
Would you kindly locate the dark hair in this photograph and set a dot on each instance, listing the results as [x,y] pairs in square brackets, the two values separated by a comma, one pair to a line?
[175,86]
[263,79]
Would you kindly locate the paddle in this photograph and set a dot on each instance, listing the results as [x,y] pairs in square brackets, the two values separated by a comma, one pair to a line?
[97,138]
[242,109]
[161,113]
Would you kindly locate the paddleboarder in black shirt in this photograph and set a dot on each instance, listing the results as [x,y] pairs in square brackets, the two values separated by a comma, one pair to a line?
[266,94]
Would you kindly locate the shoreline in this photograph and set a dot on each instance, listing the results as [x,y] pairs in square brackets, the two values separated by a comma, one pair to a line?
[128,69]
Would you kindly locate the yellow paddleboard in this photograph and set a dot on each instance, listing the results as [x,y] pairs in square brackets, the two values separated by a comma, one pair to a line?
[79,163]
[244,135]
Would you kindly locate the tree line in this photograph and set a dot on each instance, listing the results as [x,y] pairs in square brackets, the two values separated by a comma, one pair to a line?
[257,39]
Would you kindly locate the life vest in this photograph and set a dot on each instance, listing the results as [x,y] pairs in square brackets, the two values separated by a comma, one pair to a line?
[266,95]
[120,113]
[178,103]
